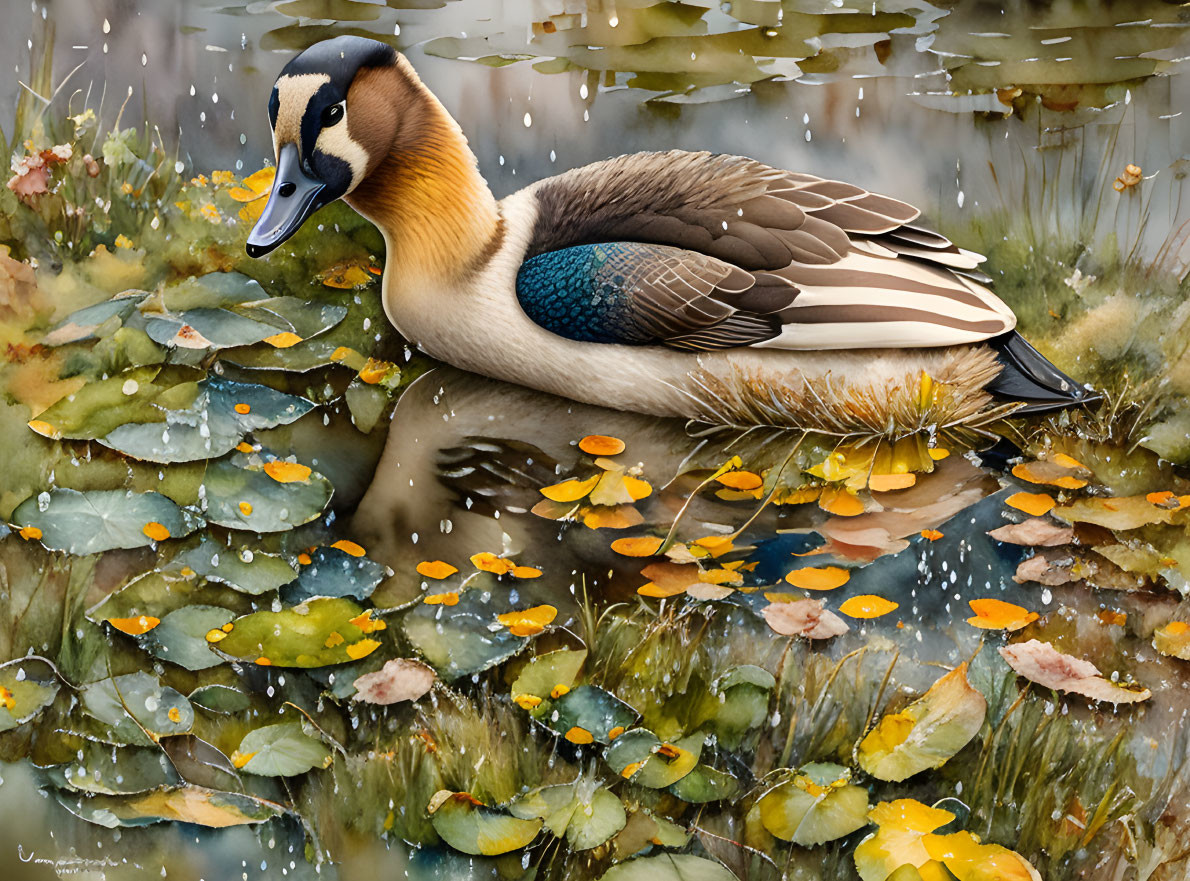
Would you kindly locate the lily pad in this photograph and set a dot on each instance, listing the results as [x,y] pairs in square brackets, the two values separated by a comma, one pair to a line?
[27,686]
[136,703]
[463,639]
[87,323]
[217,419]
[669,867]
[705,784]
[589,714]
[282,750]
[244,569]
[927,733]
[546,672]
[139,395]
[100,769]
[211,291]
[303,318]
[186,804]
[220,699]
[587,815]
[472,827]
[103,520]
[818,805]
[241,495]
[739,702]
[641,756]
[335,573]
[314,634]
[181,637]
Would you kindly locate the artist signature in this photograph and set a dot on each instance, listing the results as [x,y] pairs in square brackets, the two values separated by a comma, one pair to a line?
[66,866]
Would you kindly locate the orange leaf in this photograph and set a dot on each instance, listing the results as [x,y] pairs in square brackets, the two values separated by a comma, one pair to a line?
[867,606]
[287,472]
[243,409]
[29,532]
[931,534]
[992,614]
[436,569]
[442,599]
[840,502]
[818,578]
[348,547]
[491,563]
[134,626]
[1049,473]
[525,572]
[640,546]
[283,340]
[637,488]
[601,445]
[579,735]
[1033,504]
[529,621]
[374,371]
[743,480]
[156,531]
[889,482]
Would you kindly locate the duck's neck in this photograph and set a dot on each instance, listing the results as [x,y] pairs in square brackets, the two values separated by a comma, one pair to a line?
[426,195]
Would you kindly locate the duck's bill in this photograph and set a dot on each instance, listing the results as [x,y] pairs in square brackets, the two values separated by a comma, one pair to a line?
[294,198]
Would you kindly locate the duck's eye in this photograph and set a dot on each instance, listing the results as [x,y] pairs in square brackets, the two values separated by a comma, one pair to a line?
[332,115]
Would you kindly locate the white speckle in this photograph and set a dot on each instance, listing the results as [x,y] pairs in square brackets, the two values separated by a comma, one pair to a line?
[130,387]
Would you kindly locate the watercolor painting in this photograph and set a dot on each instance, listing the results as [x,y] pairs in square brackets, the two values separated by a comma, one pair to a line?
[595,439]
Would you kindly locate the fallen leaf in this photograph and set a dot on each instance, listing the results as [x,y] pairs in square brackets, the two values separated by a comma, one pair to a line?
[867,606]
[993,614]
[436,569]
[1040,662]
[1033,504]
[804,617]
[601,445]
[1174,640]
[398,680]
[639,546]
[1034,532]
[287,472]
[1049,473]
[528,622]
[890,482]
[819,578]
[570,490]
[742,480]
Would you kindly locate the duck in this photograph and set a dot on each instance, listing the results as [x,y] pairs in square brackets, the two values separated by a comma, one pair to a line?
[675,283]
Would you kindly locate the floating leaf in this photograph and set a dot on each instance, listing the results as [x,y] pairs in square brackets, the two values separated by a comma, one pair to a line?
[435,569]
[867,606]
[544,673]
[313,634]
[211,425]
[135,703]
[101,520]
[27,686]
[220,698]
[642,757]
[590,710]
[570,490]
[240,495]
[135,626]
[139,395]
[1050,473]
[927,733]
[819,578]
[244,569]
[1034,532]
[85,323]
[398,680]
[587,815]
[818,805]
[1033,504]
[100,769]
[528,622]
[993,614]
[332,572]
[898,841]
[1040,662]
[601,445]
[669,867]
[1128,512]
[181,637]
[704,785]
[282,750]
[185,804]
[738,702]
[804,617]
[640,546]
[458,636]
[471,827]
[968,860]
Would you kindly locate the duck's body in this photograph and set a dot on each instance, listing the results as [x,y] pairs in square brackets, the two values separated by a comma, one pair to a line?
[677,284]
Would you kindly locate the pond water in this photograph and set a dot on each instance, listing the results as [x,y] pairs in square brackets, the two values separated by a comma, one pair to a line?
[281,598]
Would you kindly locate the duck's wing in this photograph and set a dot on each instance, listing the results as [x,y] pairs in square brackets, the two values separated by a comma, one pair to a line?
[696,250]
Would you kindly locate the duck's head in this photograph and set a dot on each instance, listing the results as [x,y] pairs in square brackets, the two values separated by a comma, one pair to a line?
[333,119]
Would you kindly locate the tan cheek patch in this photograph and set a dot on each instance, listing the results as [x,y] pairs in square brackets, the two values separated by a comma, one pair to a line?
[293,97]
[337,141]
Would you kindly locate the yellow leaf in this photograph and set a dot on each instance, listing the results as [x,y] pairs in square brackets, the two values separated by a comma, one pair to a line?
[1033,504]
[742,480]
[435,569]
[890,482]
[240,759]
[526,701]
[442,599]
[287,472]
[993,614]
[840,502]
[43,428]
[283,340]
[579,735]
[867,606]
[361,649]
[487,562]
[570,490]
[529,621]
[29,532]
[525,572]
[374,371]
[639,546]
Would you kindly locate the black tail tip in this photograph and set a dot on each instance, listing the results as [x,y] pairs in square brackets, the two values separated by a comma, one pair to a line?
[1030,378]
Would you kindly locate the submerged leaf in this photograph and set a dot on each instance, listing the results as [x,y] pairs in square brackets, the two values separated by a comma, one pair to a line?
[240,495]
[185,804]
[669,867]
[588,816]
[137,708]
[804,617]
[1040,662]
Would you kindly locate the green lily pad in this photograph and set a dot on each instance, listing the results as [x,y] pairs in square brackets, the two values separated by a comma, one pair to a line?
[102,520]
[181,637]
[587,815]
[818,805]
[186,804]
[88,323]
[460,640]
[589,714]
[139,395]
[282,750]
[304,318]
[157,594]
[366,404]
[646,829]
[640,756]
[220,699]
[27,686]
[104,770]
[335,573]
[669,867]
[546,672]
[471,827]
[127,704]
[241,495]
[211,291]
[314,634]
[244,569]
[705,784]
[213,424]
[927,733]
[739,702]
